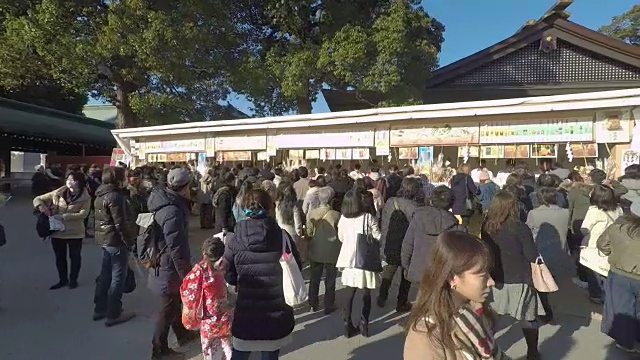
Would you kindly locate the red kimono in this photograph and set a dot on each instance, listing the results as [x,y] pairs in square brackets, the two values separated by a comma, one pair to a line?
[205,305]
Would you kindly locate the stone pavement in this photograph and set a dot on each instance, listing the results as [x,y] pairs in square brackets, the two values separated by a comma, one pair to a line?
[36,323]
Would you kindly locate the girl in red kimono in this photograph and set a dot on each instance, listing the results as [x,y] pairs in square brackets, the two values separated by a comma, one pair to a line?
[205,303]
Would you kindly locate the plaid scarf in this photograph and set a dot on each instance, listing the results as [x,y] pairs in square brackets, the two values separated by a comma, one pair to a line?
[474,329]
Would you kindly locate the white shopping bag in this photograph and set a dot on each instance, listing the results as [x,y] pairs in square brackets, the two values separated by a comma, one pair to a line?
[225,236]
[141,273]
[55,224]
[295,290]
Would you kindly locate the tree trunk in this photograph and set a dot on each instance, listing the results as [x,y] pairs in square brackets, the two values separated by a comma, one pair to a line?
[125,117]
[304,105]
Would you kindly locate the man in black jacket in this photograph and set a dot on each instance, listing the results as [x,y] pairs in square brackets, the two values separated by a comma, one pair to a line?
[115,231]
[170,205]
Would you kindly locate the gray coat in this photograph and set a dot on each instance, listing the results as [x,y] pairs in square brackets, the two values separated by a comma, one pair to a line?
[425,226]
[549,225]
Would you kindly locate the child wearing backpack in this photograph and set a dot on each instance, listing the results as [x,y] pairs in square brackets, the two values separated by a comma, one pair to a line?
[205,304]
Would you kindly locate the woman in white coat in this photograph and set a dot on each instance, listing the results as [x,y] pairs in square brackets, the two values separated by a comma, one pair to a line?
[354,221]
[604,211]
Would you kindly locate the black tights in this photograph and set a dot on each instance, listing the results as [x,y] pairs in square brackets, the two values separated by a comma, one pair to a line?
[366,300]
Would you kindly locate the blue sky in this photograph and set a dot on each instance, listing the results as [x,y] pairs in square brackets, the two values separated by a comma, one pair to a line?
[472,25]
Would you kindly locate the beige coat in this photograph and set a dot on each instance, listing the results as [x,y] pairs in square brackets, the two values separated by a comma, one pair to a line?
[418,345]
[73,214]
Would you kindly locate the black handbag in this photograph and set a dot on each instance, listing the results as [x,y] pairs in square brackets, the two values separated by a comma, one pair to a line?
[3,236]
[130,281]
[367,250]
[42,225]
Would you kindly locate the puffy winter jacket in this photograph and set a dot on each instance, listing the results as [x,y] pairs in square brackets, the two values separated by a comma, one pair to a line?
[115,217]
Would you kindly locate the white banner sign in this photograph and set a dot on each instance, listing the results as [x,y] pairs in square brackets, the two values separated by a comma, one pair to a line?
[321,140]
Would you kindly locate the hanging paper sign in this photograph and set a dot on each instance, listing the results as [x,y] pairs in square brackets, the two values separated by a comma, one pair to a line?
[237,156]
[210,147]
[343,154]
[544,151]
[516,151]
[408,153]
[327,154]
[262,156]
[312,154]
[584,150]
[629,157]
[383,143]
[271,143]
[613,126]
[296,154]
[360,154]
[473,151]
[492,152]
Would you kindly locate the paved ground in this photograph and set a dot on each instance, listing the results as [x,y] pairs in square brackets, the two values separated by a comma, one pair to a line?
[36,323]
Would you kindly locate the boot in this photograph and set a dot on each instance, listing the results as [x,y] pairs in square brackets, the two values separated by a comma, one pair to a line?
[349,330]
[364,327]
[384,292]
[531,338]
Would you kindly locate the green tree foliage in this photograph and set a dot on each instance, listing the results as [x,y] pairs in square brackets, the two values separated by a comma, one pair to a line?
[158,61]
[295,48]
[22,75]
[625,27]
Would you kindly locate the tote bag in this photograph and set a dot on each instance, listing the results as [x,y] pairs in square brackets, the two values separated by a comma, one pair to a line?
[543,281]
[367,250]
[294,288]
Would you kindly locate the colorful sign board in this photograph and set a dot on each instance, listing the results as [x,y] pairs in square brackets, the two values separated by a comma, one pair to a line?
[446,134]
[537,131]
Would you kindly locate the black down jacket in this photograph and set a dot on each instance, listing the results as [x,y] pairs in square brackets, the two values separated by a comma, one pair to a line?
[115,217]
[172,215]
[253,260]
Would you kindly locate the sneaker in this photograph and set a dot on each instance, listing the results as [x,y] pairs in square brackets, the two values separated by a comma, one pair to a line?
[124,317]
[167,354]
[97,316]
[629,351]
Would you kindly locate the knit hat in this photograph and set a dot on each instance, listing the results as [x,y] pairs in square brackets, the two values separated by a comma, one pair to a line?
[178,178]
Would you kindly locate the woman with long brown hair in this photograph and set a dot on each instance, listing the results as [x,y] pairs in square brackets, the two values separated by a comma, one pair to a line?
[511,243]
[449,320]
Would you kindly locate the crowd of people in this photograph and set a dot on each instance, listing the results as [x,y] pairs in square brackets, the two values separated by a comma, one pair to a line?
[586,229]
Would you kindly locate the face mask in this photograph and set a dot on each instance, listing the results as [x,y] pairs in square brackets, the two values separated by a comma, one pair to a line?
[71,184]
